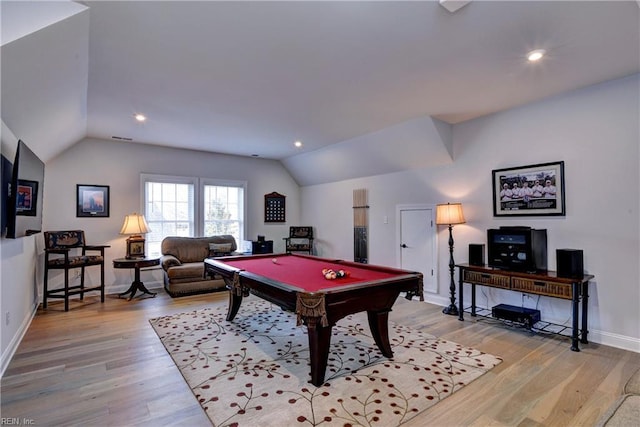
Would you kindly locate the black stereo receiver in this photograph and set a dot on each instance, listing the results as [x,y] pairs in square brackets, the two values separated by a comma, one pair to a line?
[526,316]
[517,248]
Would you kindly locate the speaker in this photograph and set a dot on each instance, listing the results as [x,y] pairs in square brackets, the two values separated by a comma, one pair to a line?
[570,263]
[476,254]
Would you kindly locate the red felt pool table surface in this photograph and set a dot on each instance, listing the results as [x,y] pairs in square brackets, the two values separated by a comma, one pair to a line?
[296,283]
[305,272]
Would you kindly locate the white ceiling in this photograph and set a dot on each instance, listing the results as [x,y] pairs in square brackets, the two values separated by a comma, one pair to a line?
[252,77]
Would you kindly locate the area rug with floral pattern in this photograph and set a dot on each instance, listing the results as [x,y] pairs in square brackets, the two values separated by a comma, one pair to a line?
[254,371]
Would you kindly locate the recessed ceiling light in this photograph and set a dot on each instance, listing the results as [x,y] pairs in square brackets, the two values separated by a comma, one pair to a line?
[535,55]
[453,5]
[298,144]
[140,117]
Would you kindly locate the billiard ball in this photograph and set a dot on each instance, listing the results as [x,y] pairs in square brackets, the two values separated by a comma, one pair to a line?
[330,275]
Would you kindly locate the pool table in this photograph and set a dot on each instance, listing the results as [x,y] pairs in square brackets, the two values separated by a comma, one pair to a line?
[297,284]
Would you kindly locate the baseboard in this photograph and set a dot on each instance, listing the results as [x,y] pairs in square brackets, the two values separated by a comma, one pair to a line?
[16,340]
[615,340]
[118,289]
[437,299]
[599,337]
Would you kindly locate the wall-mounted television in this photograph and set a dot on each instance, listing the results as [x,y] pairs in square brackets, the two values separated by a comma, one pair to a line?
[6,168]
[24,207]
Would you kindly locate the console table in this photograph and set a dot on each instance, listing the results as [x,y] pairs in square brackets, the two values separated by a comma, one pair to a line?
[540,283]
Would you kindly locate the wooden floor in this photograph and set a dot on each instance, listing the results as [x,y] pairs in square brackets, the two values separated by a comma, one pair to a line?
[102,364]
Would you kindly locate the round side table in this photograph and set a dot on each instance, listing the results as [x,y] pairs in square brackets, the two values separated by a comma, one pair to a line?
[137,264]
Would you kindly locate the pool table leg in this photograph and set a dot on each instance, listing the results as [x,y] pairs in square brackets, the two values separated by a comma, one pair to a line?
[319,342]
[234,305]
[379,325]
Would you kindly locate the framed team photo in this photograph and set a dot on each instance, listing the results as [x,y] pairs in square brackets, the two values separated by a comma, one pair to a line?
[535,190]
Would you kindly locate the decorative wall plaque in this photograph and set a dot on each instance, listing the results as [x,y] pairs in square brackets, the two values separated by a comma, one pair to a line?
[274,207]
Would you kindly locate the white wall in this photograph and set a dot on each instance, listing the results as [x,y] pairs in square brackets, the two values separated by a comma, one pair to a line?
[18,289]
[421,142]
[594,130]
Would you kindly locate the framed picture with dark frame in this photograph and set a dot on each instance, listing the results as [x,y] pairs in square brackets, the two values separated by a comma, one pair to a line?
[92,201]
[135,247]
[535,190]
[275,207]
[26,197]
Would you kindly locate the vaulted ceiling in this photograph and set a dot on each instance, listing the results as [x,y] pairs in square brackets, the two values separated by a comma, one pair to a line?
[380,82]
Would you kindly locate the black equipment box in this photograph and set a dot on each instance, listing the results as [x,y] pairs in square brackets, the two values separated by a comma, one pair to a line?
[517,248]
[526,316]
[476,254]
[262,246]
[570,263]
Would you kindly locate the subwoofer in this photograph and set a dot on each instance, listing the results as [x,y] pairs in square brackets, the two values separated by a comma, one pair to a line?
[570,263]
[476,254]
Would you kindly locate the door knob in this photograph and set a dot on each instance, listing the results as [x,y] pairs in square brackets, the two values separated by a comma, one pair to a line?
[403,246]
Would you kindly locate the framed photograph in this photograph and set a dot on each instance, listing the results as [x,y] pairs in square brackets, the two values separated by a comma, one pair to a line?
[92,201]
[536,190]
[135,248]
[26,197]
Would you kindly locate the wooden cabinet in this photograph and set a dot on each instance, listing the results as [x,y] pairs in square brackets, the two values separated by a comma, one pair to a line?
[542,283]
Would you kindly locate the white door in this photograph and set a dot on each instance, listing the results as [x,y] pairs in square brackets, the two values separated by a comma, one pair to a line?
[417,247]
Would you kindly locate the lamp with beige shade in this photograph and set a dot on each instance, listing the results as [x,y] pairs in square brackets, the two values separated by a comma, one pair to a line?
[135,225]
[450,214]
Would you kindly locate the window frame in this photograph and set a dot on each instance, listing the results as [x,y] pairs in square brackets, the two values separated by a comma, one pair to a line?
[198,197]
[224,183]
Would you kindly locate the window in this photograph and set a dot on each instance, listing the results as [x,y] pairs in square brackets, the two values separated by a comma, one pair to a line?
[172,207]
[223,210]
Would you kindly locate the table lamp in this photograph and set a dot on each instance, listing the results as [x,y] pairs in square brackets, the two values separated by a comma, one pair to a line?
[135,226]
[450,214]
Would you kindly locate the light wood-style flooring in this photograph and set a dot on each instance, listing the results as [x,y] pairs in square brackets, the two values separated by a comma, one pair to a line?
[103,365]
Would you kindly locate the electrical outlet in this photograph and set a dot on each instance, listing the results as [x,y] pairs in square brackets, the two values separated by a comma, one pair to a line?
[7,318]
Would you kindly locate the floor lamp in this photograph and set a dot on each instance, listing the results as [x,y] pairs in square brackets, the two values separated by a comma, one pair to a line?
[450,214]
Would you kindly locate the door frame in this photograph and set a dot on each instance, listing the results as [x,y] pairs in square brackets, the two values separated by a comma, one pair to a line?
[434,260]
